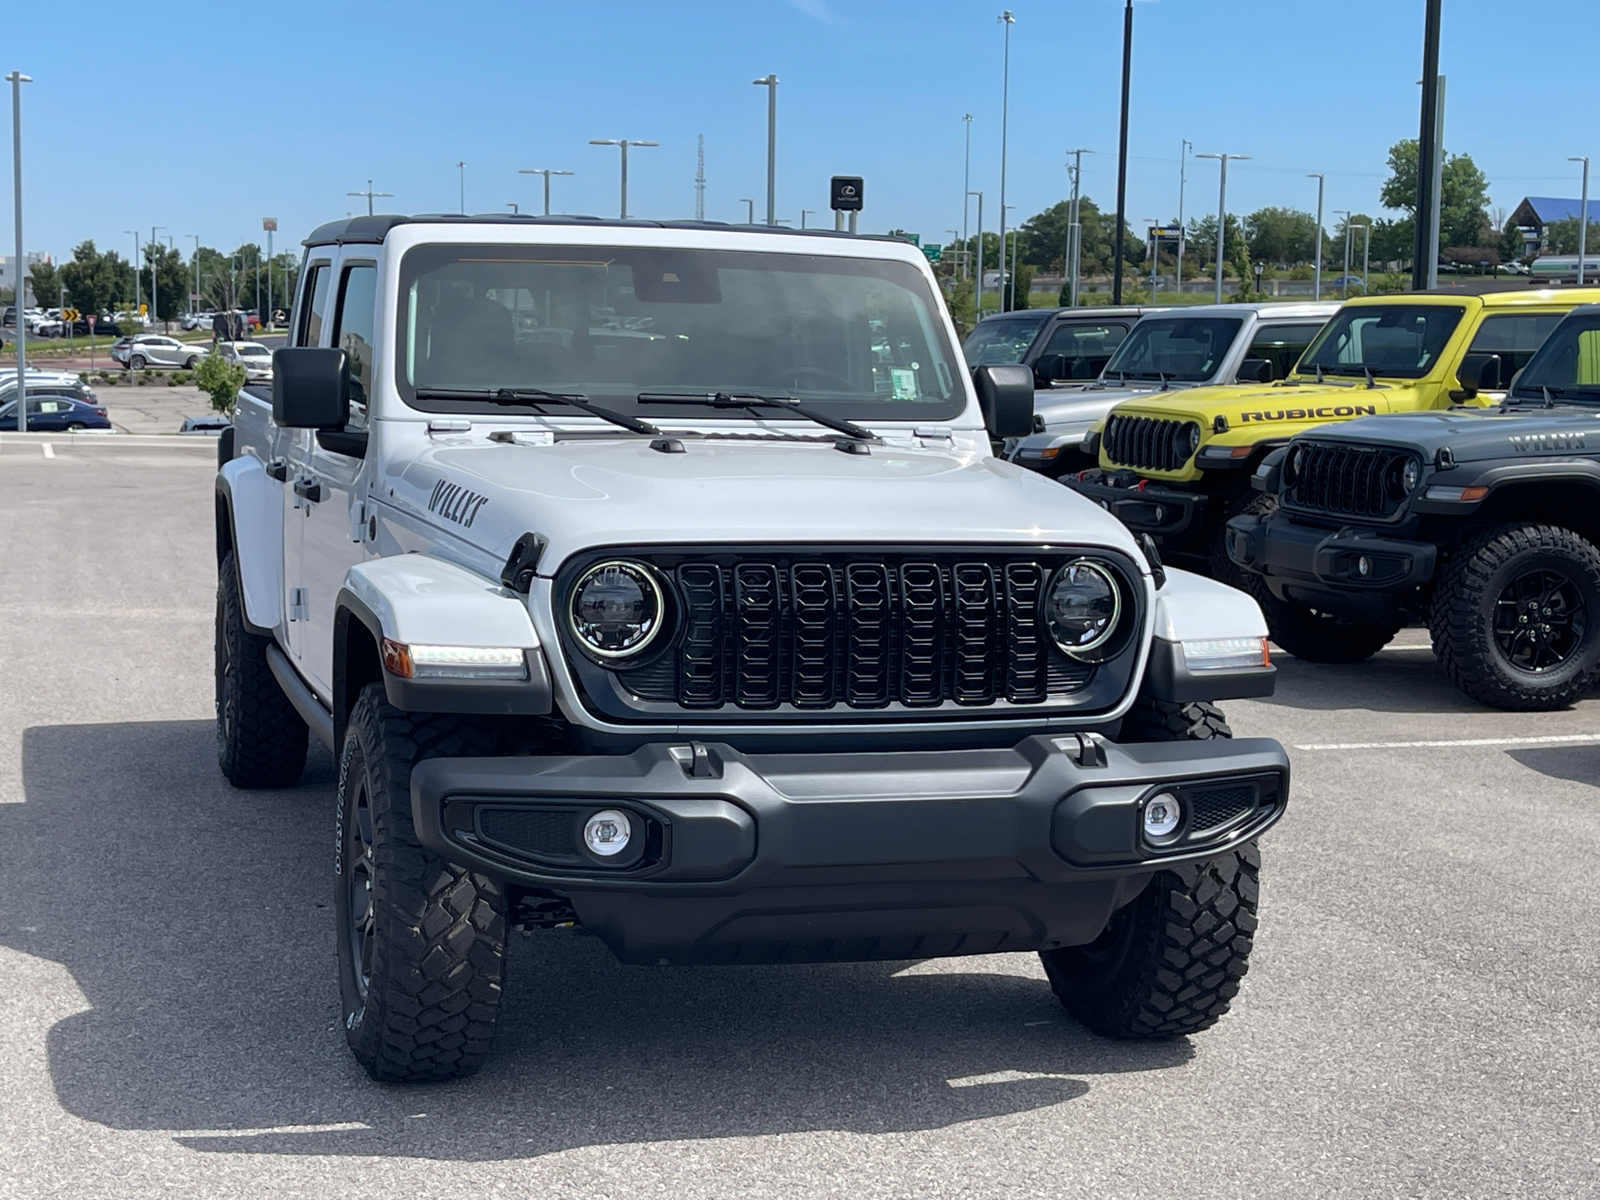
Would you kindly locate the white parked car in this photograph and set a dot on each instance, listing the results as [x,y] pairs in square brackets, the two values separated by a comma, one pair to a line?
[714,633]
[255,358]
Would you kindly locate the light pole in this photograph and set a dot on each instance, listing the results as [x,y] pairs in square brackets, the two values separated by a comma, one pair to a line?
[623,144]
[461,166]
[155,252]
[1075,227]
[512,205]
[16,79]
[1222,211]
[1366,254]
[966,183]
[1009,279]
[804,213]
[1422,265]
[1184,150]
[546,172]
[977,291]
[1583,215]
[771,84]
[1008,20]
[1316,287]
[1344,281]
[1122,152]
[750,210]
[134,233]
[196,291]
[369,194]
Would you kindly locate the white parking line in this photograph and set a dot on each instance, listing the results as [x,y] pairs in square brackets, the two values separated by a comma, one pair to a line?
[49,450]
[1552,739]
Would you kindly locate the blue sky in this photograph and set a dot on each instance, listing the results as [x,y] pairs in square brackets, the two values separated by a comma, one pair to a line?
[399,92]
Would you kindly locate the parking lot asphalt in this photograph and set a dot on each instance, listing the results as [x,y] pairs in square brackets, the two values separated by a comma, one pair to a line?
[1421,1018]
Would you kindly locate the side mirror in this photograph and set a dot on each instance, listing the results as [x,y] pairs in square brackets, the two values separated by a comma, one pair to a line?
[1048,368]
[1005,397]
[310,388]
[1256,370]
[1478,373]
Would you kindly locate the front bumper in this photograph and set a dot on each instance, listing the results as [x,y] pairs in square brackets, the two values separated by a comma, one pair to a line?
[849,856]
[1141,505]
[1311,565]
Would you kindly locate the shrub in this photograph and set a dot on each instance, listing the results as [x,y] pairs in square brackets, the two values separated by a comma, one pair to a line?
[221,380]
[83,377]
[141,379]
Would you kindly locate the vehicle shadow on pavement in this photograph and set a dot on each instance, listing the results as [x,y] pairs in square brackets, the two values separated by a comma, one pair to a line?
[1581,764]
[196,921]
[1397,681]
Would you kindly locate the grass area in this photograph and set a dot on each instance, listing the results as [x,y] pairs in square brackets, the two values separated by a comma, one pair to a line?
[43,348]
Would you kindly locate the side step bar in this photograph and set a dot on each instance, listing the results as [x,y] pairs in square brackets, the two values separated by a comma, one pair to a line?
[305,703]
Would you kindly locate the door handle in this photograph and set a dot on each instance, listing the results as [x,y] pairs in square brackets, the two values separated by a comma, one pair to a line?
[308,489]
[278,469]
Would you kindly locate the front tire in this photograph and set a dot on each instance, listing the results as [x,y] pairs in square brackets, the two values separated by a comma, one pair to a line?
[191,362]
[1317,636]
[136,363]
[1169,963]
[421,942]
[1516,617]
[261,739]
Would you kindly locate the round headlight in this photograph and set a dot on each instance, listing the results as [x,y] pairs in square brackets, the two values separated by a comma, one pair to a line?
[1082,607]
[617,609]
[1411,475]
[1194,437]
[1291,466]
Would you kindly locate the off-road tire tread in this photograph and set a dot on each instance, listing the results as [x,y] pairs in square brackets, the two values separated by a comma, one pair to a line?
[439,963]
[1456,626]
[1152,720]
[1193,930]
[265,745]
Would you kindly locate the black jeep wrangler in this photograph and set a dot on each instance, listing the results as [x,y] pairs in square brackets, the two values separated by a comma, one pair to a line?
[1482,523]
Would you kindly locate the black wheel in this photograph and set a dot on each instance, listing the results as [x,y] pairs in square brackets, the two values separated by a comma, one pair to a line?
[421,942]
[1170,963]
[76,427]
[1220,567]
[1516,617]
[191,362]
[1317,636]
[261,740]
[136,363]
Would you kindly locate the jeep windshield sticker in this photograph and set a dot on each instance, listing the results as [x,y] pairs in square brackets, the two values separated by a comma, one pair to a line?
[1311,414]
[455,503]
[1523,443]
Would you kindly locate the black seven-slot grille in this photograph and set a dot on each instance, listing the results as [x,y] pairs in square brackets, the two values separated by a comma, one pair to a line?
[867,633]
[1149,443]
[1347,481]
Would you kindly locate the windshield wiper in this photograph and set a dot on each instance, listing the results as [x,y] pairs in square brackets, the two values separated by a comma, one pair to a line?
[530,397]
[750,402]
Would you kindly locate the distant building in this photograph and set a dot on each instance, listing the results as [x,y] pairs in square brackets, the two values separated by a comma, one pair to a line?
[8,268]
[1536,212]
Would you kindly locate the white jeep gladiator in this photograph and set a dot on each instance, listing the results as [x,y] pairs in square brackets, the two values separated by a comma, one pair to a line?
[656,580]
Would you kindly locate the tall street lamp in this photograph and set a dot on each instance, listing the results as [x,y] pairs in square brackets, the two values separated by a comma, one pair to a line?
[977,292]
[622,144]
[1583,215]
[1122,151]
[1008,20]
[1316,288]
[1344,281]
[155,253]
[461,166]
[1366,254]
[804,213]
[134,233]
[750,210]
[546,172]
[966,182]
[1222,212]
[512,205]
[369,194]
[16,79]
[1184,150]
[1074,226]
[771,84]
[1424,249]
[196,294]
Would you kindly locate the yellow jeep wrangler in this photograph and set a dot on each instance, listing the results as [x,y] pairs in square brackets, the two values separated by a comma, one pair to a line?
[1177,465]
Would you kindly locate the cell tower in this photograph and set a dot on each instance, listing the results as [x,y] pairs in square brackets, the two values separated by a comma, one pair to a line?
[700,181]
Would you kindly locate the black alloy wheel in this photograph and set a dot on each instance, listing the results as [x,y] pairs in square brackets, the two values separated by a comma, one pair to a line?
[136,363]
[1539,620]
[359,926]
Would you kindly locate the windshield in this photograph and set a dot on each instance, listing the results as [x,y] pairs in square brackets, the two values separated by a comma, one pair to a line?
[1567,365]
[858,338]
[1001,342]
[255,351]
[1189,349]
[1402,341]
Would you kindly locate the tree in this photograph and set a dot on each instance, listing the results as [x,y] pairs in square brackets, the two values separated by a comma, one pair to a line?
[1044,239]
[172,280]
[1464,199]
[1562,237]
[1280,235]
[45,282]
[1202,240]
[97,282]
[220,379]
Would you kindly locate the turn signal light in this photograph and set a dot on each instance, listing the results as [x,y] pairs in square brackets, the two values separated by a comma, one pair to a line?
[453,662]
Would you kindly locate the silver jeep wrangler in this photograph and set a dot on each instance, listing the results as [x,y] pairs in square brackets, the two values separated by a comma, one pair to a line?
[657,580]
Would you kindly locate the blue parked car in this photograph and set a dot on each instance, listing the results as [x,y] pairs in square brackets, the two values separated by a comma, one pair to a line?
[51,411]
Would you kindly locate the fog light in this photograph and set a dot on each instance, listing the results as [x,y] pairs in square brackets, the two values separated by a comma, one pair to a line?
[607,832]
[1363,566]
[1161,815]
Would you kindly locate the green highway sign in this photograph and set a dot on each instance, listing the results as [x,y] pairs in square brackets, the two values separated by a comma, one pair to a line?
[933,252]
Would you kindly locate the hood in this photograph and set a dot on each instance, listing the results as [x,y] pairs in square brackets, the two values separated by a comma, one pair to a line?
[598,491]
[1478,434]
[1246,406]
[1087,402]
